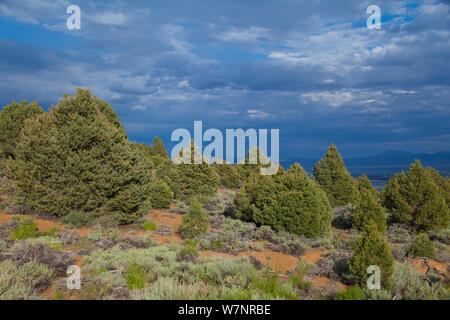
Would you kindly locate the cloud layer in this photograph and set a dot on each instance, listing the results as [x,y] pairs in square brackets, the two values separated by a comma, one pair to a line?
[310,68]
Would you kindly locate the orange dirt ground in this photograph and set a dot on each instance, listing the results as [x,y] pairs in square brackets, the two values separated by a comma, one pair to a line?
[313,256]
[419,265]
[275,260]
[324,282]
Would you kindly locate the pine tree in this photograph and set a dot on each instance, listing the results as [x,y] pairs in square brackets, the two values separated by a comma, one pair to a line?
[78,157]
[195,180]
[12,120]
[335,180]
[159,149]
[442,182]
[371,249]
[287,201]
[368,207]
[229,175]
[195,222]
[415,198]
[161,195]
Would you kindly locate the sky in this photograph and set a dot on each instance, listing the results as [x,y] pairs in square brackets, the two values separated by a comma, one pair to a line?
[311,69]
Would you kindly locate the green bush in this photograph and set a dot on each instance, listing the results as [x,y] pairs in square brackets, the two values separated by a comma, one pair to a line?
[20,282]
[352,293]
[161,195]
[333,177]
[136,277]
[195,222]
[26,229]
[287,201]
[76,219]
[78,157]
[371,249]
[190,248]
[415,198]
[149,226]
[421,246]
[408,284]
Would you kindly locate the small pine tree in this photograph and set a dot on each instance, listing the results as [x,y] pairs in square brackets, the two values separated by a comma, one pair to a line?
[371,249]
[415,198]
[421,246]
[161,195]
[368,207]
[195,222]
[334,178]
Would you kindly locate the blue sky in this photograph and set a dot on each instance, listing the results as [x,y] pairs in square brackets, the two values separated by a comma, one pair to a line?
[309,68]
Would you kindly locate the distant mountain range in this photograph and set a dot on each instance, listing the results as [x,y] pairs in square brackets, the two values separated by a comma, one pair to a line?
[384,165]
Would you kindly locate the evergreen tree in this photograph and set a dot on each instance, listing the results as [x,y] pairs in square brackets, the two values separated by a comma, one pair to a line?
[287,201]
[371,249]
[195,222]
[415,198]
[368,207]
[442,182]
[335,180]
[161,195]
[159,149]
[194,180]
[78,157]
[229,175]
[12,120]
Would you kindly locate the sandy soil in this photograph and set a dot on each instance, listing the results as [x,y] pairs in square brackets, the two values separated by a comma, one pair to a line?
[313,256]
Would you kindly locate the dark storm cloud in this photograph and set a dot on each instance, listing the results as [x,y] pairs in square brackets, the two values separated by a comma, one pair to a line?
[310,68]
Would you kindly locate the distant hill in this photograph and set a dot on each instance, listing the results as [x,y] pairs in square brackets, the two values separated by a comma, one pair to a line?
[385,164]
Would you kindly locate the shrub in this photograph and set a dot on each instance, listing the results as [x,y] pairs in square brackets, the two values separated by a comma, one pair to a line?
[136,277]
[19,282]
[272,288]
[195,222]
[352,293]
[161,195]
[189,249]
[408,284]
[149,226]
[75,219]
[49,241]
[26,229]
[371,249]
[416,199]
[78,157]
[333,177]
[287,201]
[421,246]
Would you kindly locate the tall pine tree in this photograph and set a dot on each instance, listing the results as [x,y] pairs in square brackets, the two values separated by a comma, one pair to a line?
[335,180]
[368,207]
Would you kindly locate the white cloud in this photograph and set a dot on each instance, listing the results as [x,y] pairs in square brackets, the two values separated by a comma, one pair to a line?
[139,108]
[110,18]
[257,114]
[334,99]
[252,34]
